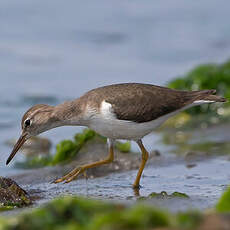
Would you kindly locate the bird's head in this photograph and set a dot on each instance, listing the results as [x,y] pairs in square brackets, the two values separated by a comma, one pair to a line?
[36,120]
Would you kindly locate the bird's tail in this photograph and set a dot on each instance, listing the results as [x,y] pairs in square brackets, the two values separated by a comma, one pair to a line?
[209,95]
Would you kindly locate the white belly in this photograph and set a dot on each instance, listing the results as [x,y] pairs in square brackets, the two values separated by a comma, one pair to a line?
[120,129]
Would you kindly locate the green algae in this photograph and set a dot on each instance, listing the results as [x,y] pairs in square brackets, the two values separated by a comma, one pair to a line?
[164,195]
[179,195]
[137,217]
[66,150]
[79,213]
[189,220]
[223,204]
[4,208]
[123,147]
[85,214]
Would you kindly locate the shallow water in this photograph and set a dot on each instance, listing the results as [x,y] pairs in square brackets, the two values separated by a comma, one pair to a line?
[203,184]
[53,51]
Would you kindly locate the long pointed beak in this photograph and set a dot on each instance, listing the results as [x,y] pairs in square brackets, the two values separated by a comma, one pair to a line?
[22,139]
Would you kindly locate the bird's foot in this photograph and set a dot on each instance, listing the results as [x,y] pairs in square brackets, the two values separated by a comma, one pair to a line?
[136,186]
[71,176]
[136,189]
[74,173]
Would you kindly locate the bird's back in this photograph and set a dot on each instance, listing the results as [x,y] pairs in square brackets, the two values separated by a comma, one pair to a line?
[144,102]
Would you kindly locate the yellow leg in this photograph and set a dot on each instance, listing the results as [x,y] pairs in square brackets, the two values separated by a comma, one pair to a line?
[74,173]
[145,157]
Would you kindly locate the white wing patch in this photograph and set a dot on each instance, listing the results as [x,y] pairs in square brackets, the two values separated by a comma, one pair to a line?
[107,110]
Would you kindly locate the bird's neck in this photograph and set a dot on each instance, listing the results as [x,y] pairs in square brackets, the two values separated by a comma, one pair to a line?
[69,113]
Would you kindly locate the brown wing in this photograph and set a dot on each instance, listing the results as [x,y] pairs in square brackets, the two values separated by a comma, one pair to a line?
[143,102]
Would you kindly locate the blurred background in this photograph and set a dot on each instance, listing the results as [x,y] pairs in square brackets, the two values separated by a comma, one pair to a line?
[51,51]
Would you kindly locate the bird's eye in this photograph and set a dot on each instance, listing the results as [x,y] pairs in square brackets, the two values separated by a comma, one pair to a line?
[27,122]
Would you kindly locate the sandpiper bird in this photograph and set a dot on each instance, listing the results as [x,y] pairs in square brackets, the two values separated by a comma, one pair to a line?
[121,111]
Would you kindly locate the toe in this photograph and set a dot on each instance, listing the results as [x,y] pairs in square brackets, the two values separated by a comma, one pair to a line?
[58,181]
